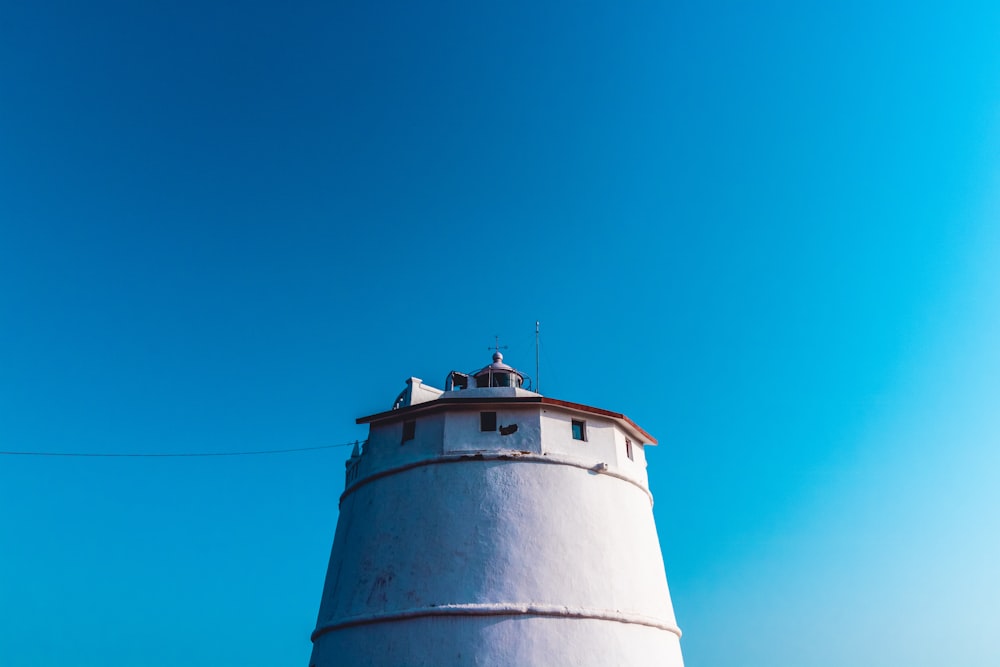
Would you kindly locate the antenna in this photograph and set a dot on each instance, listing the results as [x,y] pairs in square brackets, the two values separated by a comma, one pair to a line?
[538,383]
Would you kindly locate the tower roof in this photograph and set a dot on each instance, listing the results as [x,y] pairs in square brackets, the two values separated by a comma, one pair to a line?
[498,374]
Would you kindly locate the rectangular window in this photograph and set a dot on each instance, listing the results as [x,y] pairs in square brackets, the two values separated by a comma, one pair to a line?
[579,430]
[487,421]
[409,430]
[628,449]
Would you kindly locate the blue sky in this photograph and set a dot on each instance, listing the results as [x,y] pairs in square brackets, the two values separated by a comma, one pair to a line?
[769,234]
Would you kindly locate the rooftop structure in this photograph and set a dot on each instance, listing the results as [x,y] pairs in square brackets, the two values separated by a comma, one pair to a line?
[488,524]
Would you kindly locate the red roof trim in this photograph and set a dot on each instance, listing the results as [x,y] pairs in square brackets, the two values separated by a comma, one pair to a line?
[441,403]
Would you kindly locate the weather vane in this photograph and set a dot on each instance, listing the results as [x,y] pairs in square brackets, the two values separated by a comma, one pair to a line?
[497,346]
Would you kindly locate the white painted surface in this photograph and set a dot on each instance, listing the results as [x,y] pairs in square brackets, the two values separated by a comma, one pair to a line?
[461,547]
[514,641]
[418,392]
[462,432]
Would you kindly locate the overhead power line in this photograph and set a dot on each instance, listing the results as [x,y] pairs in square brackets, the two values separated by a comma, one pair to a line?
[179,454]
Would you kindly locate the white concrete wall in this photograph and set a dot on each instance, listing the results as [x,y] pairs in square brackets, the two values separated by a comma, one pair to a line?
[557,434]
[534,562]
[541,430]
[636,467]
[462,434]
[386,449]
[498,641]
[605,443]
[421,393]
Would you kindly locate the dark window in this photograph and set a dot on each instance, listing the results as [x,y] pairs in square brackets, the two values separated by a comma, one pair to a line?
[487,421]
[579,430]
[409,430]
[494,379]
[458,380]
[628,449]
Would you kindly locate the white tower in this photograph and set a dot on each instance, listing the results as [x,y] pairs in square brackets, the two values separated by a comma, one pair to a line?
[489,525]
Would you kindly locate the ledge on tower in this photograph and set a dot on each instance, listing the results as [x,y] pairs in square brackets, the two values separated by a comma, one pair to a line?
[416,392]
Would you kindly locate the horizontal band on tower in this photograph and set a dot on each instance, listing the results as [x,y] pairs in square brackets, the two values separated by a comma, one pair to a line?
[498,609]
[509,456]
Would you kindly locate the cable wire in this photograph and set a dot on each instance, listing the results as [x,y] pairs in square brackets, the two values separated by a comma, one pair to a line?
[180,454]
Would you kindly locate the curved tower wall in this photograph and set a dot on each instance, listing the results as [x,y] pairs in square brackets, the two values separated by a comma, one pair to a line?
[466,547]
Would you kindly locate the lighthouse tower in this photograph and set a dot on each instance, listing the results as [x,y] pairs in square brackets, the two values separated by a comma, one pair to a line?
[485,524]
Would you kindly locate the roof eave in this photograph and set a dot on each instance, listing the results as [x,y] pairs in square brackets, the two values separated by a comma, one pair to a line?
[442,403]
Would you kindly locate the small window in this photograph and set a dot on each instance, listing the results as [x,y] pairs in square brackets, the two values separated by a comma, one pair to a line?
[487,421]
[409,430]
[579,430]
[628,449]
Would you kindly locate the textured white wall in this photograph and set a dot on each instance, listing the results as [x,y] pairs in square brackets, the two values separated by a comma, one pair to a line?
[461,432]
[605,443]
[636,467]
[386,449]
[557,435]
[546,431]
[421,393]
[498,641]
[437,530]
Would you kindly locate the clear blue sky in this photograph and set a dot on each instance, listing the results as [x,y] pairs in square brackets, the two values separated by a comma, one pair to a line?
[767,233]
